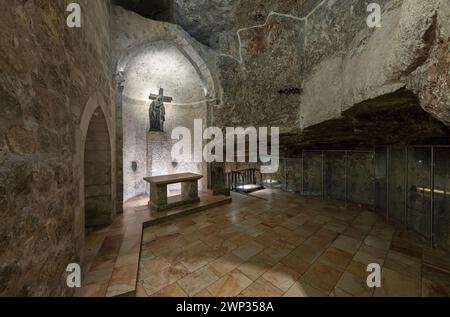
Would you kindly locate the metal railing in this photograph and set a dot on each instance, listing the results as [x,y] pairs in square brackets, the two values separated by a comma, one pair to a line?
[244,179]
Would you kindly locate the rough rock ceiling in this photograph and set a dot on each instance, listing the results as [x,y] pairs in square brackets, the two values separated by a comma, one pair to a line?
[209,21]
[213,22]
[251,87]
[160,10]
[395,118]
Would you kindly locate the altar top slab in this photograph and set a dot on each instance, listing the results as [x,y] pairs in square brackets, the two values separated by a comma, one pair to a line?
[173,178]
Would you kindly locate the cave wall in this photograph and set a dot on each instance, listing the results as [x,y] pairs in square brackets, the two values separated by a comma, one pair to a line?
[49,73]
[326,49]
[258,55]
[97,173]
[360,64]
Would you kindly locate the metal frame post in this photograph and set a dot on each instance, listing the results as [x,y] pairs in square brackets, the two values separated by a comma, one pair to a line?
[323,176]
[374,180]
[405,185]
[346,176]
[303,174]
[388,158]
[285,174]
[432,199]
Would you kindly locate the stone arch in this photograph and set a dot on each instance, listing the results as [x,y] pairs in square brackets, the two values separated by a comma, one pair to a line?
[186,49]
[96,107]
[130,183]
[98,173]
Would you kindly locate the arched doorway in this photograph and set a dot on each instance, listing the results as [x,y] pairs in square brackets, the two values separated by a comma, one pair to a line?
[97,173]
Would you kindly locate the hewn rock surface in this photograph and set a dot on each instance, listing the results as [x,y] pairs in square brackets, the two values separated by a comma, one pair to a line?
[314,68]
[335,58]
[48,74]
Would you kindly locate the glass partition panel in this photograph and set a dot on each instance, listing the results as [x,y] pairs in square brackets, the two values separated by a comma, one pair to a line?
[275,180]
[360,178]
[381,178]
[397,184]
[334,175]
[312,169]
[294,175]
[419,190]
[442,197]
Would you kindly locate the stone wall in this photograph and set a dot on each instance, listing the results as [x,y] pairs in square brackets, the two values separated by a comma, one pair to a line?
[326,49]
[152,151]
[49,72]
[97,173]
[260,49]
[356,63]
[152,55]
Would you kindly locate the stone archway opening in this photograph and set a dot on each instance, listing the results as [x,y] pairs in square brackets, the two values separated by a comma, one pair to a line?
[176,69]
[97,173]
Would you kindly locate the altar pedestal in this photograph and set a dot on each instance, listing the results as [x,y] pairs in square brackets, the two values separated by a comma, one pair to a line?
[158,190]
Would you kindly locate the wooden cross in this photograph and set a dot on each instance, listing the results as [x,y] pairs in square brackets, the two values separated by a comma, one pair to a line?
[161,95]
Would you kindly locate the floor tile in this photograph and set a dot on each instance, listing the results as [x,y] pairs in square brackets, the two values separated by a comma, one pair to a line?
[230,285]
[403,264]
[256,266]
[173,290]
[157,281]
[262,288]
[225,264]
[285,245]
[354,285]
[198,281]
[300,289]
[281,277]
[394,284]
[321,277]
[248,250]
[348,244]
[336,258]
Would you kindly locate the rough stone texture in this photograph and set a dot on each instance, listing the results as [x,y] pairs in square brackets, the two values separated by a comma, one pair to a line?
[358,86]
[97,173]
[370,66]
[144,51]
[133,35]
[215,22]
[431,81]
[160,10]
[327,49]
[152,151]
[271,63]
[390,119]
[48,74]
[163,65]
[253,63]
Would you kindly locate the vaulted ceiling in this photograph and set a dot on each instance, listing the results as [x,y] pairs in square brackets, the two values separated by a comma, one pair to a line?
[211,20]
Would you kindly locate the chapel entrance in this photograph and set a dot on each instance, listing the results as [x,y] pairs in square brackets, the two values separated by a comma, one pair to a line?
[97,173]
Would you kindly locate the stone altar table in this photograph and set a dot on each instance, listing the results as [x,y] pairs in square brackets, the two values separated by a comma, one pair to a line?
[158,190]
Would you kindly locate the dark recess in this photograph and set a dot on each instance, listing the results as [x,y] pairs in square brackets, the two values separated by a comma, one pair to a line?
[160,10]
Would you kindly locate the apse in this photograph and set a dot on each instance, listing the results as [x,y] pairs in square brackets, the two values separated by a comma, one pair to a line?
[158,65]
[165,66]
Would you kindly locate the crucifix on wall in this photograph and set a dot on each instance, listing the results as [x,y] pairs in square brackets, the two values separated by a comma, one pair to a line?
[157,111]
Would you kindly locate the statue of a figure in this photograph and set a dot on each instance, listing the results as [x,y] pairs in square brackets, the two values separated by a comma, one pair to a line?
[157,115]
[157,111]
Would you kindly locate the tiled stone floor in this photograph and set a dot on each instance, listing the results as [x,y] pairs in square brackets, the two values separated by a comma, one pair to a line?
[282,244]
[112,254]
